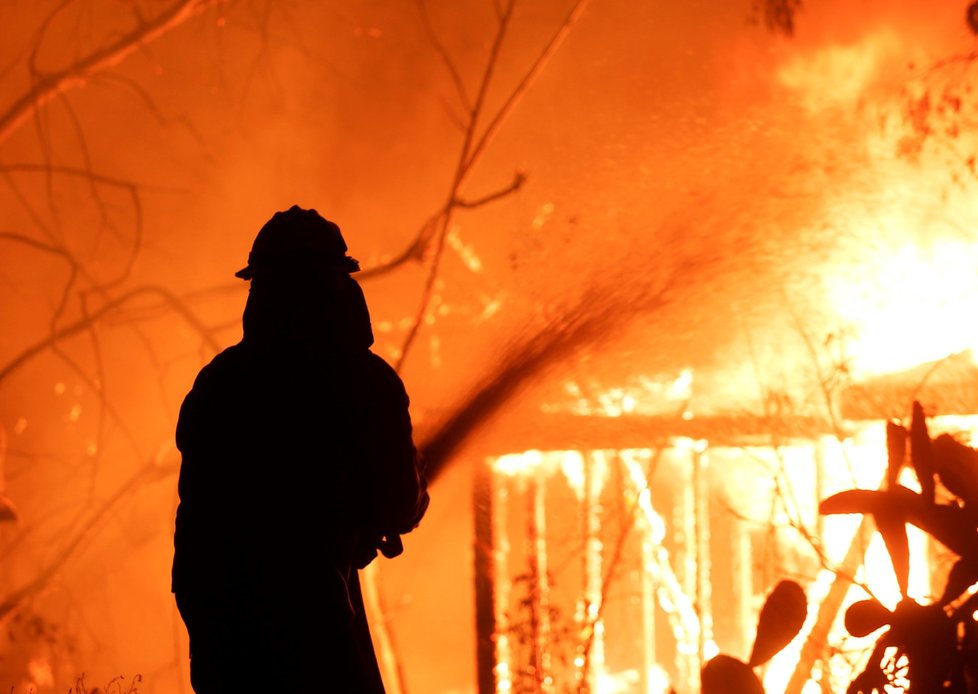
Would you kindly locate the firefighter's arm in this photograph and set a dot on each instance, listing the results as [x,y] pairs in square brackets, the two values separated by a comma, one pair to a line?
[401,494]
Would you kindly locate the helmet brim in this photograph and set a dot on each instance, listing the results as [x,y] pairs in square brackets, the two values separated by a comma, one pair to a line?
[345,264]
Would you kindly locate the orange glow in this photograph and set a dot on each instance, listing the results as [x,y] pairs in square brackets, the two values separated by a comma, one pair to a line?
[931,286]
[902,297]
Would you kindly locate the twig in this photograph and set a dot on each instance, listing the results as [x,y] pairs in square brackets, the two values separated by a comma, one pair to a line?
[40,581]
[73,267]
[518,180]
[529,77]
[78,326]
[461,173]
[414,251]
[446,59]
[474,146]
[50,85]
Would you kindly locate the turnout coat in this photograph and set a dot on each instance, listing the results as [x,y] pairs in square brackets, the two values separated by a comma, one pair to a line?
[298,466]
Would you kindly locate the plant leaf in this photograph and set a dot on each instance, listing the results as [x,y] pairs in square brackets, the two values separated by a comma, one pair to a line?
[893,529]
[957,467]
[780,621]
[951,525]
[874,501]
[962,575]
[727,675]
[920,452]
[896,451]
[866,616]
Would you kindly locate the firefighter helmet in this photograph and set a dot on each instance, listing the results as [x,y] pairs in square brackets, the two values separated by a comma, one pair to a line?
[297,239]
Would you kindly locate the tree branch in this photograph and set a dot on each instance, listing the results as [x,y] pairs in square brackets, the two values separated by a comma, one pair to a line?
[13,599]
[78,326]
[529,77]
[444,55]
[50,85]
[461,173]
[518,180]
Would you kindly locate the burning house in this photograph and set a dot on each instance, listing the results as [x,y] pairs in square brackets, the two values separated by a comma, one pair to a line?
[626,564]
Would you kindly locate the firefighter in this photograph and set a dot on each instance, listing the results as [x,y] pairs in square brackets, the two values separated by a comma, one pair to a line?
[298,467]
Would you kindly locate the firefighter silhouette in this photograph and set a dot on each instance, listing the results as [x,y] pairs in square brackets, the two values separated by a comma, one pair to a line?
[298,468]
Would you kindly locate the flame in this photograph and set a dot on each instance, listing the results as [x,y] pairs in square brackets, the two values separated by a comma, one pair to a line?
[904,283]
[912,305]
[868,450]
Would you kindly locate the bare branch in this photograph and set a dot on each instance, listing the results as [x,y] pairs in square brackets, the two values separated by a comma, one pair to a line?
[446,58]
[437,225]
[95,179]
[461,173]
[15,598]
[144,98]
[50,85]
[415,251]
[78,326]
[39,245]
[546,54]
[450,112]
[518,180]
[73,267]
[84,173]
[426,294]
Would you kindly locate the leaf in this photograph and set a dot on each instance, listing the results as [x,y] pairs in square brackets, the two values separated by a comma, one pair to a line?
[957,467]
[951,525]
[893,529]
[920,452]
[853,501]
[866,616]
[896,452]
[780,621]
[873,501]
[962,575]
[727,675]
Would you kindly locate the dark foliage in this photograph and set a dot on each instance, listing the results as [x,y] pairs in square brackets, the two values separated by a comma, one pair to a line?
[780,621]
[934,647]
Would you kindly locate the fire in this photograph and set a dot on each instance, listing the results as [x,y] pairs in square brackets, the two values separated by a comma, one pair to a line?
[529,485]
[904,285]
[910,303]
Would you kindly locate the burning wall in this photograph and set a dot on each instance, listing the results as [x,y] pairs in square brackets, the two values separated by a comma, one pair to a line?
[627,570]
